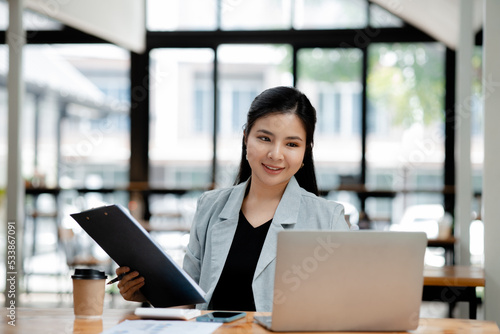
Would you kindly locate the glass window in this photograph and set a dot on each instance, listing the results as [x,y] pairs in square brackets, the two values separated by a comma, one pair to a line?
[477,130]
[331,78]
[170,15]
[406,115]
[379,212]
[58,90]
[87,123]
[330,14]
[4,15]
[255,15]
[109,72]
[204,101]
[181,118]
[244,72]
[74,136]
[381,18]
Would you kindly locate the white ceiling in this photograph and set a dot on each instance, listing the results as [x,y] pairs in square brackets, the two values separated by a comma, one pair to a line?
[122,22]
[438,18]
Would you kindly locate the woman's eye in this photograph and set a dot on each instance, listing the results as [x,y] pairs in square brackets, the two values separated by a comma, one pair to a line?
[292,145]
[264,138]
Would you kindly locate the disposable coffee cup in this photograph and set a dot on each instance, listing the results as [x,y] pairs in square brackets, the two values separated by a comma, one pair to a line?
[88,293]
[88,325]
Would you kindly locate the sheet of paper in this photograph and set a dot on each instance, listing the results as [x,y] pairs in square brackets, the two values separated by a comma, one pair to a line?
[163,326]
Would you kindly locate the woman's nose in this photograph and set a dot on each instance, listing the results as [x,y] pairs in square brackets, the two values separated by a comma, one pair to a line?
[275,153]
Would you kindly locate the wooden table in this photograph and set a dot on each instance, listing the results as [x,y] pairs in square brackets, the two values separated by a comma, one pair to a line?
[451,284]
[63,321]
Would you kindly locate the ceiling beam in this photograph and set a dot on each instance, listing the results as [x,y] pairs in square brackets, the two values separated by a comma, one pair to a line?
[358,38]
[301,38]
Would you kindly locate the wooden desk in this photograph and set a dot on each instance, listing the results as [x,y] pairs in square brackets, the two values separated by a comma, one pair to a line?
[454,276]
[451,284]
[63,321]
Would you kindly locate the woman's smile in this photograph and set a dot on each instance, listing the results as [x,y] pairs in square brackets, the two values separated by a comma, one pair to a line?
[273,170]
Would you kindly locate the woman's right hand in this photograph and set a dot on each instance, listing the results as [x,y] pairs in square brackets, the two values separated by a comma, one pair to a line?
[130,284]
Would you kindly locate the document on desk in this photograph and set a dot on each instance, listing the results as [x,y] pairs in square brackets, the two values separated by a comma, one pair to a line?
[163,326]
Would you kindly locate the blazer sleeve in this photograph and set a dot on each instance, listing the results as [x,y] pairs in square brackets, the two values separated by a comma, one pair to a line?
[196,245]
[338,222]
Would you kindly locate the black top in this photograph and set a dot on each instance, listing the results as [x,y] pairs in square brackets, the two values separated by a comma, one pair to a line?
[234,289]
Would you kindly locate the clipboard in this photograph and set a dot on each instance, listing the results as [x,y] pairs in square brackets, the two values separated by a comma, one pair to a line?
[129,244]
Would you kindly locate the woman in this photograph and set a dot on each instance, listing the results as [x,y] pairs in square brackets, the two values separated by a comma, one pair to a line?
[232,248]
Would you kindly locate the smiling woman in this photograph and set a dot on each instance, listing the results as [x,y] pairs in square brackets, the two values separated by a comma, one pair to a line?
[233,238]
[289,113]
[275,150]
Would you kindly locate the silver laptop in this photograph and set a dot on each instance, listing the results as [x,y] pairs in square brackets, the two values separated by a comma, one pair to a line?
[347,281]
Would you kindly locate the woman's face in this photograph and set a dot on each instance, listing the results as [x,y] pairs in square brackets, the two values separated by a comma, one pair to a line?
[276,146]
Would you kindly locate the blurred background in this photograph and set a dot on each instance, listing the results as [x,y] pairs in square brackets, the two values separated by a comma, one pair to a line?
[380,86]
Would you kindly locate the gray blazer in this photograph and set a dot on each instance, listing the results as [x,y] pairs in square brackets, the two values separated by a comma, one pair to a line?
[214,226]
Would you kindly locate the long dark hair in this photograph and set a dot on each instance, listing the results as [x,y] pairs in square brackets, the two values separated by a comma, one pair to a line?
[283,100]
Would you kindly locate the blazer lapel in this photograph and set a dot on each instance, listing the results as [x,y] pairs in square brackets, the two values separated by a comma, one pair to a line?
[224,229]
[284,218]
